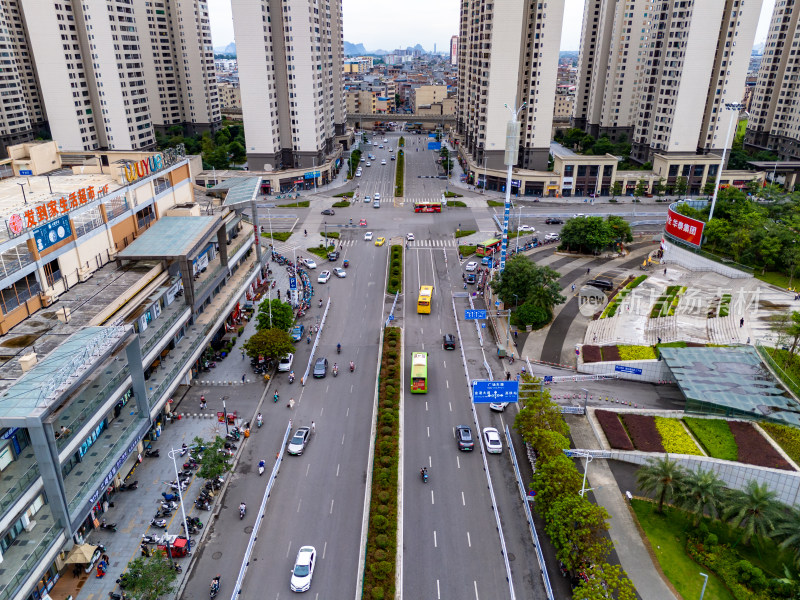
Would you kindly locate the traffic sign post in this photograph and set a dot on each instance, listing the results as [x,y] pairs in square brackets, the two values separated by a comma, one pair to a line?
[485,391]
[471,314]
[292,283]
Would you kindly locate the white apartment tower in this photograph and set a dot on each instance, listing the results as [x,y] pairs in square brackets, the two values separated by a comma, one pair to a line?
[22,115]
[508,55]
[774,122]
[659,72]
[110,71]
[291,61]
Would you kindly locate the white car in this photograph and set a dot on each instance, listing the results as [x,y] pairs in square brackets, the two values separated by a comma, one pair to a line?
[383,161]
[367,198]
[303,569]
[391,149]
[369,164]
[492,440]
[340,272]
[324,277]
[410,237]
[552,237]
[385,140]
[498,406]
[471,266]
[377,195]
[368,236]
[363,159]
[522,227]
[577,215]
[310,264]
[381,146]
[285,364]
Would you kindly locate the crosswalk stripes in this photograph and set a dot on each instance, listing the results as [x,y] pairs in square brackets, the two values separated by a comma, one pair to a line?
[432,244]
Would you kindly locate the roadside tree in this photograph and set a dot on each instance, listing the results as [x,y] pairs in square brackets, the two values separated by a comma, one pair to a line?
[754,510]
[271,343]
[213,459]
[660,477]
[149,578]
[586,234]
[282,315]
[578,529]
[523,280]
[604,581]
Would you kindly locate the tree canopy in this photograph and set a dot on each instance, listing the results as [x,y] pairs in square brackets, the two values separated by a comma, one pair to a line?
[281,317]
[213,461]
[227,144]
[532,287]
[271,343]
[593,234]
[149,578]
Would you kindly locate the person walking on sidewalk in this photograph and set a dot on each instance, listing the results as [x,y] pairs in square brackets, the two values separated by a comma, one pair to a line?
[243,353]
[244,377]
[203,403]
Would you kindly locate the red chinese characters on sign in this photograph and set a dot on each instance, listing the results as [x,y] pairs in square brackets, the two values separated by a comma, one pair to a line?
[684,228]
[54,208]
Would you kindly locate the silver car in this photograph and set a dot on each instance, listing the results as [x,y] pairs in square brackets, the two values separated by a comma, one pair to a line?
[299,440]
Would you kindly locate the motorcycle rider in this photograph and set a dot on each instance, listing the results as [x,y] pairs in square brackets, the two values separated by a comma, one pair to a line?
[352,366]
[242,508]
[259,420]
[215,583]
[261,466]
[275,397]
[338,348]
[335,367]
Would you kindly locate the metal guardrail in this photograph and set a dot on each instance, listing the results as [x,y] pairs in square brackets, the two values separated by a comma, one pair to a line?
[531,526]
[316,342]
[784,377]
[237,589]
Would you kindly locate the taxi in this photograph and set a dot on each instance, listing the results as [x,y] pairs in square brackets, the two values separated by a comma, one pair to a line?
[380,241]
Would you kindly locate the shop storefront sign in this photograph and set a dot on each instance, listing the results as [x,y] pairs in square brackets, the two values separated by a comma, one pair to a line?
[117,466]
[51,233]
[10,432]
[52,209]
[172,292]
[684,228]
[155,163]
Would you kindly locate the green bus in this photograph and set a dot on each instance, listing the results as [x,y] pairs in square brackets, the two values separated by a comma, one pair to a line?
[419,372]
[488,247]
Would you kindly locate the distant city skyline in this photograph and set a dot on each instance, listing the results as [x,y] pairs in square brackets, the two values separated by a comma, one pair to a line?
[379,25]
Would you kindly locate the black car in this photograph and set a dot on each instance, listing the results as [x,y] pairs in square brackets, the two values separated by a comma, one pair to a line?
[470,278]
[320,368]
[464,437]
[333,256]
[603,284]
[449,341]
[328,211]
[553,221]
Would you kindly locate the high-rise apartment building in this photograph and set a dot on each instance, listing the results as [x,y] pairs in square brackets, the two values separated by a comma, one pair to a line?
[507,55]
[106,73]
[291,59]
[774,122]
[660,71]
[454,50]
[22,115]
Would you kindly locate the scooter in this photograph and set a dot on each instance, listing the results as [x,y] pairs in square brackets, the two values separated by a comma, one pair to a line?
[424,475]
[115,596]
[229,446]
[162,523]
[109,526]
[151,539]
[129,486]
[184,450]
[169,504]
[352,366]
[202,504]
[261,468]
[163,513]
[335,371]
[215,586]
[242,511]
[291,377]
[151,453]
[194,522]
[259,420]
[275,398]
[191,464]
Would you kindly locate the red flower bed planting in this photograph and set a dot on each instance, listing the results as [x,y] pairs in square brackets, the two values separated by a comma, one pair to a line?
[643,432]
[615,433]
[611,353]
[754,449]
[591,354]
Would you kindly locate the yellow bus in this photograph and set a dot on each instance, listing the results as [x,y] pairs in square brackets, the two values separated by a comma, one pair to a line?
[425,299]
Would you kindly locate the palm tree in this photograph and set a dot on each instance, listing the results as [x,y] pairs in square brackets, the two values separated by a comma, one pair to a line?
[701,493]
[754,510]
[660,477]
[789,529]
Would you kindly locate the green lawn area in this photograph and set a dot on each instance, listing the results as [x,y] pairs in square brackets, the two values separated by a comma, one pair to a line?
[778,279]
[281,236]
[466,250]
[341,204]
[464,232]
[301,204]
[321,251]
[668,540]
[495,203]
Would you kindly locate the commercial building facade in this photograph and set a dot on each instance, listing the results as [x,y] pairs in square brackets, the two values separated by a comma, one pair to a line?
[659,73]
[507,55]
[87,390]
[291,58]
[773,123]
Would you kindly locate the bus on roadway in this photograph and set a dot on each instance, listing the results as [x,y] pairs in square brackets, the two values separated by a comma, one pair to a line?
[425,299]
[488,247]
[427,206]
[419,372]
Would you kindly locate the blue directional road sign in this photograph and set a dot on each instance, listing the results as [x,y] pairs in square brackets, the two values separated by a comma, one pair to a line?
[484,391]
[292,283]
[470,314]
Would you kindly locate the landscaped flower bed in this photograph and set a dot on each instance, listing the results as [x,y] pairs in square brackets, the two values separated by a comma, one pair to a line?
[615,433]
[715,436]
[674,437]
[610,353]
[591,354]
[787,437]
[754,449]
[642,431]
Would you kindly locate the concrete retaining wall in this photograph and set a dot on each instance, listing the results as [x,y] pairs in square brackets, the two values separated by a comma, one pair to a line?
[652,371]
[674,254]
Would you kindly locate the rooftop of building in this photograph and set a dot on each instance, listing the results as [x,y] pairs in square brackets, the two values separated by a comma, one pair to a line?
[171,238]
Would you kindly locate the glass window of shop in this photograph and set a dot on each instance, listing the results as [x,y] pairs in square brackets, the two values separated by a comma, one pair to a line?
[19,525]
[14,259]
[18,293]
[13,442]
[160,184]
[86,221]
[115,206]
[45,583]
[52,272]
[145,217]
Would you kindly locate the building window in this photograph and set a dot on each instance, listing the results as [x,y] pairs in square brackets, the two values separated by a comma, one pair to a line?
[18,293]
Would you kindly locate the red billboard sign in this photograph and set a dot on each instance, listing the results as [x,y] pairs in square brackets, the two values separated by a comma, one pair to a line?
[684,228]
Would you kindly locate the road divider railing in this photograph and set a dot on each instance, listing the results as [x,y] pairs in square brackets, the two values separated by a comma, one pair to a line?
[527,508]
[237,589]
[316,342]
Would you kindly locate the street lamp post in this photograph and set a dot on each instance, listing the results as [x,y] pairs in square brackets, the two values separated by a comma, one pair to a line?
[705,583]
[511,153]
[225,414]
[737,107]
[172,454]
[22,187]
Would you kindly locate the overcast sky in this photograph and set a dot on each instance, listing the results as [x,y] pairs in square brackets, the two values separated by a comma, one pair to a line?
[389,24]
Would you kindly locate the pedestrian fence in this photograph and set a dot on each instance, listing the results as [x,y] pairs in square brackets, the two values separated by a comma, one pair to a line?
[237,589]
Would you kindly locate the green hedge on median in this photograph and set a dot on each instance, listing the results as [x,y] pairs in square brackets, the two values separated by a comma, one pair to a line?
[394,283]
[399,174]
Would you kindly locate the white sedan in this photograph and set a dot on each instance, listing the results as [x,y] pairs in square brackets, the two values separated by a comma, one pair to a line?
[377,195]
[410,237]
[324,277]
[526,228]
[383,162]
[310,264]
[492,440]
[303,569]
[285,364]
[369,164]
[368,236]
[340,272]
[471,266]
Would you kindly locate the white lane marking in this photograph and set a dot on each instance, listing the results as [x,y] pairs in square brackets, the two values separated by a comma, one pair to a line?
[475,583]
[321,410]
[428,428]
[308,466]
[343,439]
[289,549]
[438,591]
[347,412]
[351,388]
[430,462]
[331,512]
[444,362]
[469,540]
[433,500]
[435,544]
[299,504]
[337,470]
[447,384]
[426,406]
[450,405]
[463,500]
[458,462]
[325,547]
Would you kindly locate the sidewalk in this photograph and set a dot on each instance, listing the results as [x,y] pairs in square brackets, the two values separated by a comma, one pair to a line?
[631,550]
